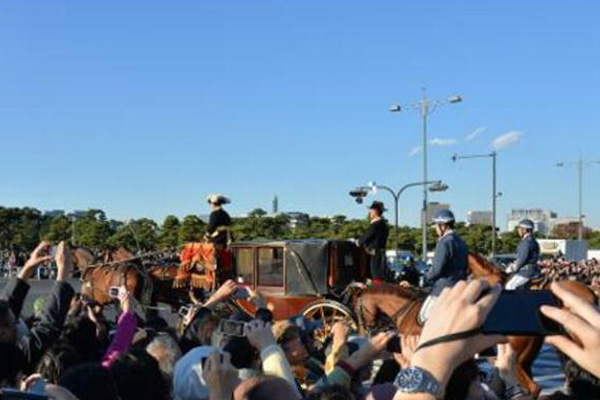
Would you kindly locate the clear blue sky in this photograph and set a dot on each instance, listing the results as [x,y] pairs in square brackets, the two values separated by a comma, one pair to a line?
[142,108]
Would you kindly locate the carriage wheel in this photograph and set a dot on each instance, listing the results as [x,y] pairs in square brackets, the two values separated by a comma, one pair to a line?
[328,312]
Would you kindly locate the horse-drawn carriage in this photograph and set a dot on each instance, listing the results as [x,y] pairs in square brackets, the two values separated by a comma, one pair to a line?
[308,277]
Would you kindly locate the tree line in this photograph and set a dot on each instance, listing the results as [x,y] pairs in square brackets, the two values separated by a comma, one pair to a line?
[22,228]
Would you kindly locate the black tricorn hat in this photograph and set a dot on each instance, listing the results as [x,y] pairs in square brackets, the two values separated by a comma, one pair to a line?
[377,205]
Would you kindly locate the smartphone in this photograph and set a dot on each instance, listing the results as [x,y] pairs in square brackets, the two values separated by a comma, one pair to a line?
[52,250]
[231,328]
[39,387]
[114,292]
[518,313]
[394,345]
[241,293]
[13,394]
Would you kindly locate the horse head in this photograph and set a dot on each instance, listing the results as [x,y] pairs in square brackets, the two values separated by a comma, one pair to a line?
[480,267]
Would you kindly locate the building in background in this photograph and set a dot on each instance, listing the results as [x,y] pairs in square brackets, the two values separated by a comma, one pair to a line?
[275,205]
[297,219]
[544,220]
[432,209]
[54,213]
[479,218]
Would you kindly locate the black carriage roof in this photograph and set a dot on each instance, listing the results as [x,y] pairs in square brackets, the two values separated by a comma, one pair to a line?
[307,261]
[283,242]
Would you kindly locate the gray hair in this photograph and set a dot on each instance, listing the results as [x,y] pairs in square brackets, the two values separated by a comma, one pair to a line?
[166,351]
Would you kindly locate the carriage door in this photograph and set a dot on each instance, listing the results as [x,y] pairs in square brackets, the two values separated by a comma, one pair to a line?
[270,271]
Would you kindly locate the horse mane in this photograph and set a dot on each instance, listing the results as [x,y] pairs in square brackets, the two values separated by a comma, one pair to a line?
[485,264]
[396,290]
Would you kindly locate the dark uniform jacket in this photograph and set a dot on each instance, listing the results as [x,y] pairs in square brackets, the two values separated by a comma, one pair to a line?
[450,263]
[45,332]
[217,219]
[375,238]
[528,254]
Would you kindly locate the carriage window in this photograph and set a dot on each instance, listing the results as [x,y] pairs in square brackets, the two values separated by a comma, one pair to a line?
[244,264]
[270,267]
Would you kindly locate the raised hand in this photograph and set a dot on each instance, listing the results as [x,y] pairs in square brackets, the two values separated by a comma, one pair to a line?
[259,334]
[38,256]
[582,321]
[221,377]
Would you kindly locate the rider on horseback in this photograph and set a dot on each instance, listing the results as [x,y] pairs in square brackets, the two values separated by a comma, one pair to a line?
[528,254]
[450,262]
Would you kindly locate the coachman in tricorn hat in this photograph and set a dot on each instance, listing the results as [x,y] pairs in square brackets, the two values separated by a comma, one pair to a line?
[218,230]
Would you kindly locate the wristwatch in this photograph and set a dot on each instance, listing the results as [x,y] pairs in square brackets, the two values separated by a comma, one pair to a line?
[418,380]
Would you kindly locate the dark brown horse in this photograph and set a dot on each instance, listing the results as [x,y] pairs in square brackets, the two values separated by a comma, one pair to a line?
[401,305]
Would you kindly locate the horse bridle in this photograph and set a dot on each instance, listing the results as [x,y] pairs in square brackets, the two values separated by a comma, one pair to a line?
[401,312]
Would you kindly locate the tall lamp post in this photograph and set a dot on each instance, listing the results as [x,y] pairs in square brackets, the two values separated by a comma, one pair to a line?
[360,192]
[580,164]
[495,193]
[426,107]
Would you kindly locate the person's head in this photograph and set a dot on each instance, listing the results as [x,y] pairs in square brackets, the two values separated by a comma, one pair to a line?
[525,227]
[265,388]
[376,210]
[188,378]
[11,363]
[200,331]
[90,382]
[289,337]
[8,323]
[216,201]
[243,354]
[138,377]
[465,383]
[80,332]
[166,352]
[581,384]
[444,221]
[57,360]
[334,392]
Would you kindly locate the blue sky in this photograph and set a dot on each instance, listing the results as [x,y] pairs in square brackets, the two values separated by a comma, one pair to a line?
[142,108]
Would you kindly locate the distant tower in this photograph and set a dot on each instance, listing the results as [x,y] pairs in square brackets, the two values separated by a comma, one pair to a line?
[275,205]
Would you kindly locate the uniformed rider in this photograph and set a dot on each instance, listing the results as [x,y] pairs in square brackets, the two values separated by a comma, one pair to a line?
[450,261]
[375,241]
[528,253]
[218,230]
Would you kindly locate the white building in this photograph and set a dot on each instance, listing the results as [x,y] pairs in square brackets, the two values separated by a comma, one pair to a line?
[479,217]
[544,220]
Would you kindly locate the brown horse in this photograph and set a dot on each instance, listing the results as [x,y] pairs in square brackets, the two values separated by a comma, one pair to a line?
[401,305]
[97,280]
[81,258]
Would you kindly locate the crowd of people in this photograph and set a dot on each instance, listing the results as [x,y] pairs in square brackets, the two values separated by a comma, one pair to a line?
[69,350]
[558,268]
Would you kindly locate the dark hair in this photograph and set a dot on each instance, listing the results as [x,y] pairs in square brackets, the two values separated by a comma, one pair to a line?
[57,360]
[266,388]
[12,361]
[138,377]
[581,384]
[80,332]
[90,382]
[334,392]
[4,309]
[242,352]
[461,380]
[199,332]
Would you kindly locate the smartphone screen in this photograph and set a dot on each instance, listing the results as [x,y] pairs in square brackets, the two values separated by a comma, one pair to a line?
[232,328]
[518,313]
[241,293]
[114,291]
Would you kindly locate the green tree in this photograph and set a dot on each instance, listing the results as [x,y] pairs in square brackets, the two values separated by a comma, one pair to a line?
[59,228]
[191,229]
[169,233]
[93,230]
[138,236]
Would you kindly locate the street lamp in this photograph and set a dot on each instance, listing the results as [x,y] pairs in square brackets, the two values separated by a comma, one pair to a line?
[579,164]
[361,192]
[426,107]
[495,194]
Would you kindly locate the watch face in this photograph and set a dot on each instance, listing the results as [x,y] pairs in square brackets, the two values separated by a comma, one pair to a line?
[410,379]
